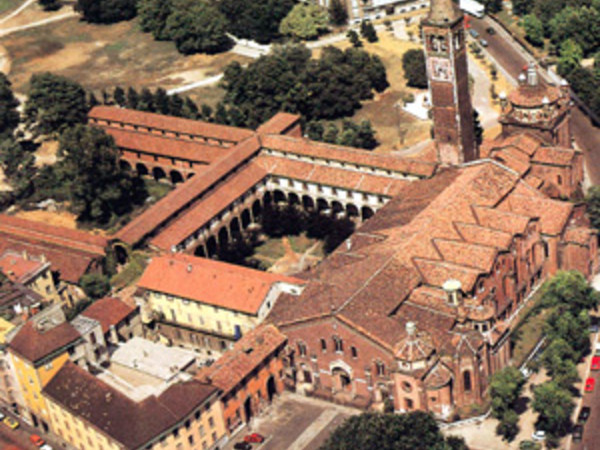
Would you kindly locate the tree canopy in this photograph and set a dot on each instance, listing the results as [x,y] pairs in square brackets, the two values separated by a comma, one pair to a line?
[9,116]
[95,285]
[54,103]
[197,27]
[374,431]
[289,80]
[413,64]
[554,405]
[338,14]
[534,29]
[153,16]
[569,290]
[257,20]
[305,21]
[88,168]
[106,11]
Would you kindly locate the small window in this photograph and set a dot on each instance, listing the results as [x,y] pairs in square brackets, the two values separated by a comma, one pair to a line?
[379,368]
[354,352]
[301,349]
[338,344]
[211,422]
[323,344]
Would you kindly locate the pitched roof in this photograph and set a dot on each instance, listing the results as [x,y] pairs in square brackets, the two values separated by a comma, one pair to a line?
[223,285]
[280,123]
[19,267]
[246,355]
[34,343]
[553,214]
[70,252]
[108,311]
[186,193]
[175,124]
[133,424]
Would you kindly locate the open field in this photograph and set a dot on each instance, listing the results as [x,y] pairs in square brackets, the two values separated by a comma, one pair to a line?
[102,57]
[9,5]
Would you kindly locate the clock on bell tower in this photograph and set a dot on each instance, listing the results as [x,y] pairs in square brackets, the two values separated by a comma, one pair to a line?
[447,73]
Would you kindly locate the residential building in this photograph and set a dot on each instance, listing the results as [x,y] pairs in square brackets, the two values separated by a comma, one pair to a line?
[31,272]
[89,413]
[204,304]
[249,375]
[120,322]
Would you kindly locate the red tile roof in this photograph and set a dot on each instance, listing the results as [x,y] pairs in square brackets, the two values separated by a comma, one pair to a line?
[19,267]
[223,285]
[108,311]
[246,356]
[554,156]
[132,424]
[280,123]
[164,146]
[35,344]
[348,155]
[175,124]
[531,96]
[70,252]
[208,206]
[553,214]
[185,194]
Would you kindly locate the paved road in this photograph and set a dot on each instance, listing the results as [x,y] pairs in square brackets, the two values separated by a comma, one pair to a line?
[512,58]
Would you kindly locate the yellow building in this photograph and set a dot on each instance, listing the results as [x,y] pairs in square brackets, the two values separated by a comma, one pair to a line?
[37,351]
[90,414]
[33,273]
[206,304]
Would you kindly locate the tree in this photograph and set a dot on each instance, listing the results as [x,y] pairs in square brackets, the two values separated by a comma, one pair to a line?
[50,5]
[534,30]
[338,14]
[508,427]
[554,405]
[54,103]
[592,200]
[197,27]
[570,290]
[146,101]
[305,21]
[95,285]
[97,187]
[354,38]
[374,431]
[367,30]
[572,329]
[9,116]
[132,98]
[153,16]
[558,360]
[581,24]
[106,11]
[413,64]
[492,6]
[505,388]
[161,101]
[18,166]
[522,7]
[570,55]
[119,96]
[258,20]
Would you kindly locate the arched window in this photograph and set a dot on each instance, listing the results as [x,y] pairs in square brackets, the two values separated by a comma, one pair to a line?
[338,344]
[301,349]
[354,352]
[323,344]
[379,368]
[559,179]
[467,380]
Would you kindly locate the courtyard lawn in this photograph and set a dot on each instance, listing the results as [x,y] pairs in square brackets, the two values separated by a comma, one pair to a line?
[529,330]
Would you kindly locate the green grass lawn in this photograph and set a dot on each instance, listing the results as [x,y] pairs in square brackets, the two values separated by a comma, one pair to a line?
[157,190]
[8,5]
[529,330]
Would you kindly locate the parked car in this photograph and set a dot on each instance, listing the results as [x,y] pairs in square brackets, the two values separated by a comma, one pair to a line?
[483,42]
[584,415]
[474,33]
[595,363]
[254,438]
[539,435]
[242,446]
[36,440]
[529,445]
[589,384]
[577,432]
[46,447]
[490,30]
[10,423]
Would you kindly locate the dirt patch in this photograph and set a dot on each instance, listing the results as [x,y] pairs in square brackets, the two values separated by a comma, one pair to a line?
[58,218]
[102,57]
[46,153]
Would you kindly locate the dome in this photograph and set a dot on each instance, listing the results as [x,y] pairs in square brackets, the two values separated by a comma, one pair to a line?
[527,96]
[416,346]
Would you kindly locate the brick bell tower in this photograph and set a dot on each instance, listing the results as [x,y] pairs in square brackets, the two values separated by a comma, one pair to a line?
[446,60]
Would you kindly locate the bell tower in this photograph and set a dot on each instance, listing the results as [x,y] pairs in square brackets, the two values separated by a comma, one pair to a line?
[447,73]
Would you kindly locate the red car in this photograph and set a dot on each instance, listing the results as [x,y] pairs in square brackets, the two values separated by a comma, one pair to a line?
[36,440]
[596,363]
[589,384]
[254,438]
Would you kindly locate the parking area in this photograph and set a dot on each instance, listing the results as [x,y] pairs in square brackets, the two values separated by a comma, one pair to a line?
[294,422]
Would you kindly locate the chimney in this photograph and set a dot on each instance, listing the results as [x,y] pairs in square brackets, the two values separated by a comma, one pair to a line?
[189,268]
[503,100]
[349,244]
[411,329]
[453,291]
[532,75]
[24,254]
